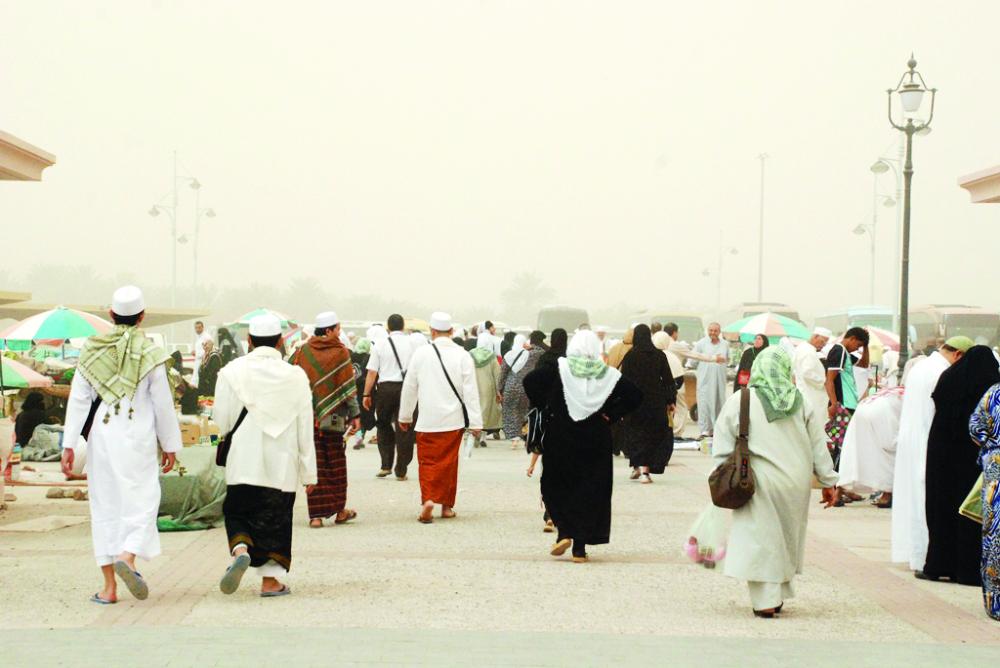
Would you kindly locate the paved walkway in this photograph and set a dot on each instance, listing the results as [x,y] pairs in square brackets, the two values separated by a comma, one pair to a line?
[482,590]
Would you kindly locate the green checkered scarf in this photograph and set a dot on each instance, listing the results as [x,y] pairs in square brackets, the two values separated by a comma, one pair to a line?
[363,346]
[771,377]
[482,356]
[115,363]
[584,367]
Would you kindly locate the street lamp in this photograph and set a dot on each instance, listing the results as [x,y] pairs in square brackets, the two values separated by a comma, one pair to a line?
[209,212]
[911,90]
[723,251]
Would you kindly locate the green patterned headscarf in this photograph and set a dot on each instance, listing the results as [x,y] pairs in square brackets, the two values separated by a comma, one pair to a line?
[362,346]
[482,356]
[115,363]
[771,377]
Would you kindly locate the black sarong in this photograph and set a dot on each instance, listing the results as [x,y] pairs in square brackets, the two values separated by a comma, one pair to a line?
[261,518]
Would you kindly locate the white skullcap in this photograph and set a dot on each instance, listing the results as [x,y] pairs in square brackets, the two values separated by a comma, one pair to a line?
[128,301]
[601,328]
[823,331]
[265,325]
[327,319]
[440,322]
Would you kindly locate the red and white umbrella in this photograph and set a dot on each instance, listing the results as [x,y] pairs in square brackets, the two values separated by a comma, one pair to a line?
[888,340]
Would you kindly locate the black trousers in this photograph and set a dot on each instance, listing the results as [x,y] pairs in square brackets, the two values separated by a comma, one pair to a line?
[393,442]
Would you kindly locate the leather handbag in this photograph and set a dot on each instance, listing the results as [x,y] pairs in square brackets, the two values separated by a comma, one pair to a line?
[222,449]
[732,482]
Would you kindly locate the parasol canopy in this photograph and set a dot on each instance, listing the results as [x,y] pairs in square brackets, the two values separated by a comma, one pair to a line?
[244,320]
[60,324]
[771,325]
[16,375]
[888,340]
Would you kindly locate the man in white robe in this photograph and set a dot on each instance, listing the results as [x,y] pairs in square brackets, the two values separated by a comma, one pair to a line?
[710,358]
[868,457]
[810,376]
[121,389]
[200,336]
[909,515]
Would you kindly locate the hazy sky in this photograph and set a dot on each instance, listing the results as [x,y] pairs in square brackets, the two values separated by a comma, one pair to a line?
[436,148]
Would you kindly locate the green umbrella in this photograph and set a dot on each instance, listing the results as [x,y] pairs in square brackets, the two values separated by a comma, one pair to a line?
[244,320]
[771,325]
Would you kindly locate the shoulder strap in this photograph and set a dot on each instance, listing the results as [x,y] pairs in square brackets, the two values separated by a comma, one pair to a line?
[396,355]
[465,412]
[239,421]
[89,422]
[744,414]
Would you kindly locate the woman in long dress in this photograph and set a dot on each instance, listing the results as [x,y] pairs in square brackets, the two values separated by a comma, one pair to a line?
[984,427]
[954,545]
[582,397]
[649,439]
[519,361]
[766,545]
[487,377]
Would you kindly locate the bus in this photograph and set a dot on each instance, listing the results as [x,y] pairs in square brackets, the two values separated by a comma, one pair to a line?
[565,317]
[690,326]
[929,325]
[857,316]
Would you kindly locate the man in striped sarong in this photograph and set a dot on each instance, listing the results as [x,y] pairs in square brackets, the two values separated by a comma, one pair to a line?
[327,363]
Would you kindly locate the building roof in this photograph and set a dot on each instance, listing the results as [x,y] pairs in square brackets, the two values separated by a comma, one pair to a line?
[983,186]
[20,161]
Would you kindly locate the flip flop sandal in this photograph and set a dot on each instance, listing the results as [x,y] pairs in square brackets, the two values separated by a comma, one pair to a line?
[96,598]
[284,591]
[133,580]
[425,520]
[352,515]
[450,516]
[234,574]
[559,549]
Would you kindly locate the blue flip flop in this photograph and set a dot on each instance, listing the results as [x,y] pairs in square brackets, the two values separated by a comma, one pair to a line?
[133,580]
[96,598]
[284,591]
[234,574]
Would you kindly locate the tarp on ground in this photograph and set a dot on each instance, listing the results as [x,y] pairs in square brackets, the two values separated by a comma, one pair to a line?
[191,496]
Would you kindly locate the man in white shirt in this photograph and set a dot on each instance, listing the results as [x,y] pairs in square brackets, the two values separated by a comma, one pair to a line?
[387,366]
[200,336]
[808,370]
[265,407]
[121,395]
[442,379]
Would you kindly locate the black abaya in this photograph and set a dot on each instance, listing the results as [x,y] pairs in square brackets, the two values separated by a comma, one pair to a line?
[577,464]
[648,437]
[954,548]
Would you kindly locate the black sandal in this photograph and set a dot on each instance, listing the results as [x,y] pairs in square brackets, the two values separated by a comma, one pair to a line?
[763,615]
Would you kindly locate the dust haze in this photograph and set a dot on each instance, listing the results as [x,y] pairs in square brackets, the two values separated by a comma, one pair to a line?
[488,157]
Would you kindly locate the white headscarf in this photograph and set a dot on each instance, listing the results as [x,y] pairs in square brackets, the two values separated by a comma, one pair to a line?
[484,340]
[662,342]
[517,356]
[376,333]
[585,396]
[417,339]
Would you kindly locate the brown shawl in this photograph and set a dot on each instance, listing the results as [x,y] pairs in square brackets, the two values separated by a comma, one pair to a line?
[327,363]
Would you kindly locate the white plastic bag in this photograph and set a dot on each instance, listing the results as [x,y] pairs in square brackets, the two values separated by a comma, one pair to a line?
[706,542]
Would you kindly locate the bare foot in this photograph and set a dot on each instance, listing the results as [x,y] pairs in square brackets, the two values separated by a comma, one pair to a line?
[427,512]
[270,584]
[316,523]
[447,513]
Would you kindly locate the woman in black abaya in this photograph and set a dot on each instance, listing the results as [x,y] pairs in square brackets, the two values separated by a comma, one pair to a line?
[648,437]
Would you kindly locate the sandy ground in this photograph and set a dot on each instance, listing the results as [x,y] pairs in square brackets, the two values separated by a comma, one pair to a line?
[489,570]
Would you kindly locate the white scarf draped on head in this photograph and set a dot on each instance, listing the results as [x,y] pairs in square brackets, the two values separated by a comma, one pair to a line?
[272,390]
[518,353]
[376,333]
[484,340]
[587,381]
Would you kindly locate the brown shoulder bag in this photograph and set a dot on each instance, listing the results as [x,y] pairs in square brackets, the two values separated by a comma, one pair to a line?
[732,483]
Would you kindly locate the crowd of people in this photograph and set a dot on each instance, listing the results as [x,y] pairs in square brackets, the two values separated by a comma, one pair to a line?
[572,400]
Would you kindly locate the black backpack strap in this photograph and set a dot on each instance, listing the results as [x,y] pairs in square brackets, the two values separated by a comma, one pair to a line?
[89,422]
[465,411]
[396,355]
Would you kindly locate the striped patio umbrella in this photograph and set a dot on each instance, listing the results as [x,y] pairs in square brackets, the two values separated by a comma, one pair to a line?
[58,325]
[16,375]
[888,340]
[771,325]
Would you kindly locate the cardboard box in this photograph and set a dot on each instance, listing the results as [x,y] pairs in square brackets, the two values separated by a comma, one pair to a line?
[190,434]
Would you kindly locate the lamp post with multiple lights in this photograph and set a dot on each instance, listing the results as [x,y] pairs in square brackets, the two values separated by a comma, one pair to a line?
[911,90]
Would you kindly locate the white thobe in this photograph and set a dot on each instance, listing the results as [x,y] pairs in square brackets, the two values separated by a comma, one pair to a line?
[868,457]
[909,515]
[440,409]
[123,472]
[768,535]
[810,377]
[711,380]
[199,354]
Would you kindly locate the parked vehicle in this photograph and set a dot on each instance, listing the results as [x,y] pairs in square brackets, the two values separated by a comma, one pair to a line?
[690,326]
[857,316]
[933,323]
[567,317]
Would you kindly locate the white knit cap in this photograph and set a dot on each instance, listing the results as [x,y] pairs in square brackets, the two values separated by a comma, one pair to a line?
[265,325]
[440,322]
[327,319]
[128,301]
[823,331]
